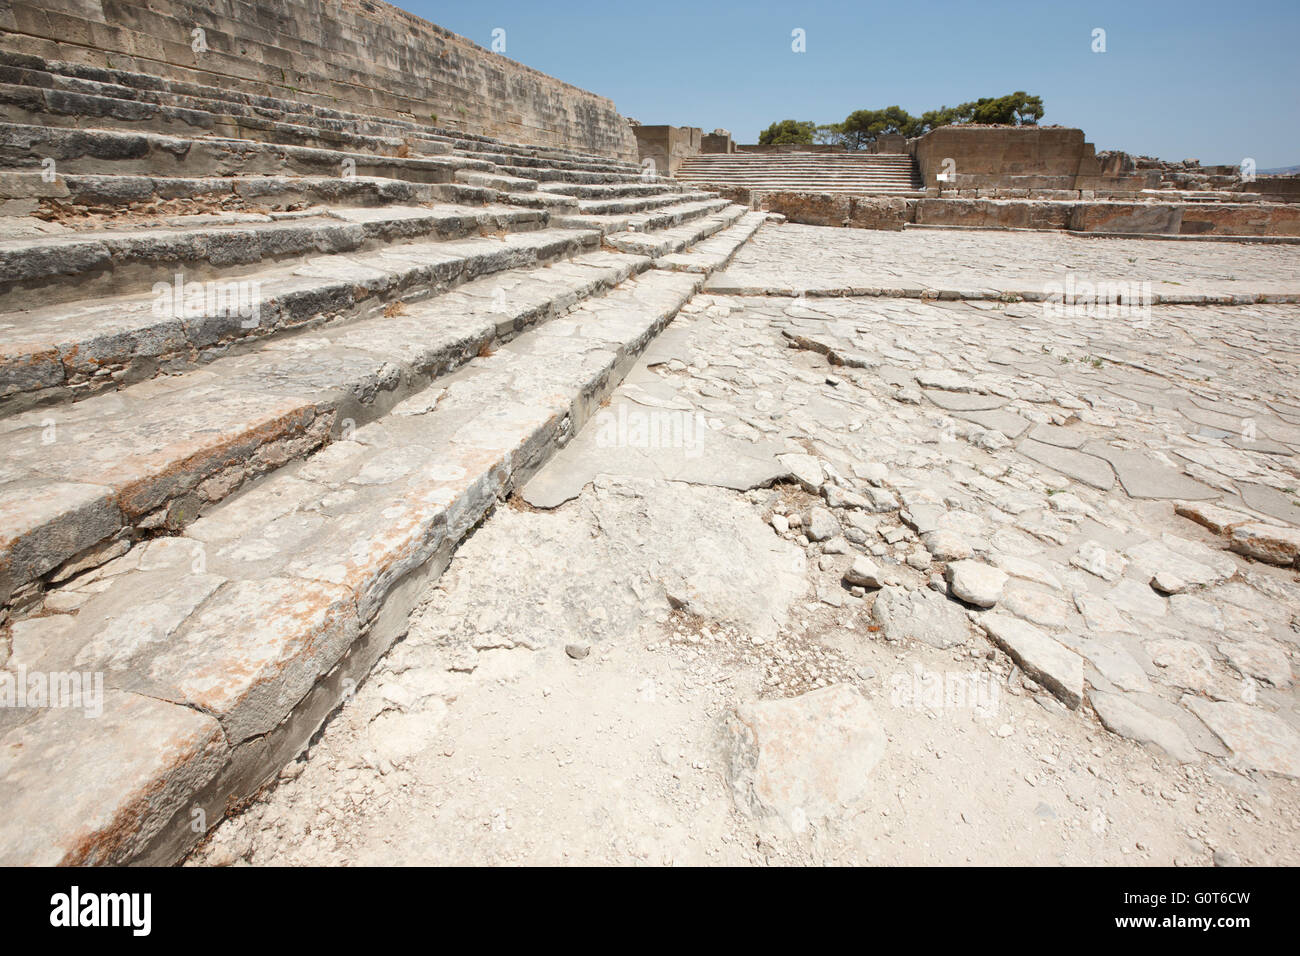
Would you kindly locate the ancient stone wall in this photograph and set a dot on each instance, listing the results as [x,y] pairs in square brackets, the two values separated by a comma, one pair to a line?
[719,141]
[1035,157]
[351,55]
[667,145]
[889,143]
[823,209]
[1276,188]
[1248,219]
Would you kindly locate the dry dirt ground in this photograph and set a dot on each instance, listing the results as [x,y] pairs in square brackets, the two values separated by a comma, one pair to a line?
[724,626]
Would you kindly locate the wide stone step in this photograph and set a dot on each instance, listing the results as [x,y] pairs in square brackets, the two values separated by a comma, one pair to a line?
[83,480]
[812,187]
[270,608]
[26,104]
[797,174]
[805,187]
[505,184]
[829,173]
[550,175]
[815,188]
[662,218]
[537,200]
[523,161]
[21,193]
[81,264]
[156,89]
[132,114]
[821,163]
[826,159]
[716,252]
[800,174]
[800,179]
[836,170]
[634,204]
[54,353]
[833,173]
[611,190]
[428,138]
[795,171]
[204,108]
[99,151]
[545,153]
[677,238]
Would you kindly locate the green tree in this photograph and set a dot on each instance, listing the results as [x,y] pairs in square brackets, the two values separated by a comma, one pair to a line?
[1014,109]
[830,134]
[787,132]
[861,127]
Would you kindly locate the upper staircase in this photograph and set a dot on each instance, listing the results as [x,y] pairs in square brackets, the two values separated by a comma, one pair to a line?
[859,174]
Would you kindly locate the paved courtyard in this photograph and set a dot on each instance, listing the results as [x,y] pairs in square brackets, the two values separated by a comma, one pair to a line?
[799,258]
[1095,518]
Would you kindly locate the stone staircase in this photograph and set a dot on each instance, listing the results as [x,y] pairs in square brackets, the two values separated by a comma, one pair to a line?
[861,174]
[263,365]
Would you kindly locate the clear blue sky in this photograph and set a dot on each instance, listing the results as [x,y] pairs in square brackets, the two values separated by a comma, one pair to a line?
[1215,81]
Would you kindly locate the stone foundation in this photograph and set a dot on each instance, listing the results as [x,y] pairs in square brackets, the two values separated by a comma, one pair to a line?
[1252,219]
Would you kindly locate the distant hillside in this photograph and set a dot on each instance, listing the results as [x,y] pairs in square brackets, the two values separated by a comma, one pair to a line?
[1280,171]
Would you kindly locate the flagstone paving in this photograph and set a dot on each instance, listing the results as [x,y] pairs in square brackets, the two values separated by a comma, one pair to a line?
[975,262]
[1098,513]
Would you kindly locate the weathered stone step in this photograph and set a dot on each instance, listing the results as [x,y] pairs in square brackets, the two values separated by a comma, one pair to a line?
[464,144]
[266,613]
[741,178]
[55,353]
[385,156]
[758,192]
[81,264]
[201,109]
[31,105]
[152,88]
[715,252]
[21,193]
[677,238]
[536,200]
[545,174]
[824,172]
[799,174]
[798,159]
[643,221]
[505,184]
[885,172]
[100,151]
[883,164]
[612,190]
[429,139]
[815,189]
[794,175]
[84,479]
[517,161]
[635,204]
